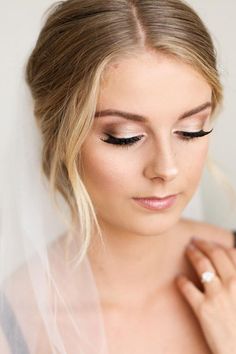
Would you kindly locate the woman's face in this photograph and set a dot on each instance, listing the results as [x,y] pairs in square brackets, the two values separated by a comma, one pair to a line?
[174,99]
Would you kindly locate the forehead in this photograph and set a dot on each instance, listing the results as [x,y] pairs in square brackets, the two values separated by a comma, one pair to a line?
[152,83]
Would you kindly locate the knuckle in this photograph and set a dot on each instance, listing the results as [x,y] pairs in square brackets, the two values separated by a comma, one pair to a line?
[215,252]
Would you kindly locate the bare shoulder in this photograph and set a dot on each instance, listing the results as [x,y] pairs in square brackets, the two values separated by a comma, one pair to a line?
[209,231]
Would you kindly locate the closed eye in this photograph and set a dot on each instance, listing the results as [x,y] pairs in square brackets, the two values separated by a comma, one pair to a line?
[126,142]
[122,141]
[192,135]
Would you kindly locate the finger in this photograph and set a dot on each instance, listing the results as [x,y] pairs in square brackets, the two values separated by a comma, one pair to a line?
[231,252]
[219,258]
[232,255]
[190,292]
[201,264]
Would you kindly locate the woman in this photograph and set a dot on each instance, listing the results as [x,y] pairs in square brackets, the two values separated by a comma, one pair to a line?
[125,94]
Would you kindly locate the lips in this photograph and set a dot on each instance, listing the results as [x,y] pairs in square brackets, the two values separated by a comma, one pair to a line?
[157,203]
[158,198]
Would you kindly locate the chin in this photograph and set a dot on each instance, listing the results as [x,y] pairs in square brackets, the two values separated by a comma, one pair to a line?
[161,224]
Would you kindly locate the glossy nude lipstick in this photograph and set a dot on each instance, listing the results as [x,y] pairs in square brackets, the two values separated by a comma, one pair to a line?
[154,203]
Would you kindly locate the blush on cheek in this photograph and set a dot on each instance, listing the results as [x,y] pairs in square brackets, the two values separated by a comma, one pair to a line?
[101,175]
[194,170]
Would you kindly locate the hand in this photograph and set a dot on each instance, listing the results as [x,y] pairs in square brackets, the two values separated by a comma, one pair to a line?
[215,308]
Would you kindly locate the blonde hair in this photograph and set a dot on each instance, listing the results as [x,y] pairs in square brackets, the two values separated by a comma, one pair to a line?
[79,40]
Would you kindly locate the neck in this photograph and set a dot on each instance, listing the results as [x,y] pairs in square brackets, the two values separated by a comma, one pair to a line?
[132,269]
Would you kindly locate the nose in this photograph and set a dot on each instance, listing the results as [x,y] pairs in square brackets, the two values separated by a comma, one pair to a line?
[162,162]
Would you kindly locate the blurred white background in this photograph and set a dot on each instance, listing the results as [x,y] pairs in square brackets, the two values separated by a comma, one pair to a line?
[20,23]
[219,16]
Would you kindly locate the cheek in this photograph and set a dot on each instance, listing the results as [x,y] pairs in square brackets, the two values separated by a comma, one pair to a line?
[195,162]
[103,173]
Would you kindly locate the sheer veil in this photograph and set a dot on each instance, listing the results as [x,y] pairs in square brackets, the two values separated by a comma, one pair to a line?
[46,304]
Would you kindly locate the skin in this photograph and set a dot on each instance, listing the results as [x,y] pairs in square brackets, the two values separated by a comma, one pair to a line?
[138,244]
[215,307]
[161,164]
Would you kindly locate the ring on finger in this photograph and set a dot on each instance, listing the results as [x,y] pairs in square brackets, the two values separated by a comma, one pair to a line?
[207,277]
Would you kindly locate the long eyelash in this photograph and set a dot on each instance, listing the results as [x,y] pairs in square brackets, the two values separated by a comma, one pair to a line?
[193,135]
[123,142]
[126,142]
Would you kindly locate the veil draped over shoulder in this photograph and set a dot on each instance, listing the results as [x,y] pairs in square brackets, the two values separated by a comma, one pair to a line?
[46,304]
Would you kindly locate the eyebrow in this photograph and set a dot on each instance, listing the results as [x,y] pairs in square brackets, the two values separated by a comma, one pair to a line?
[139,118]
